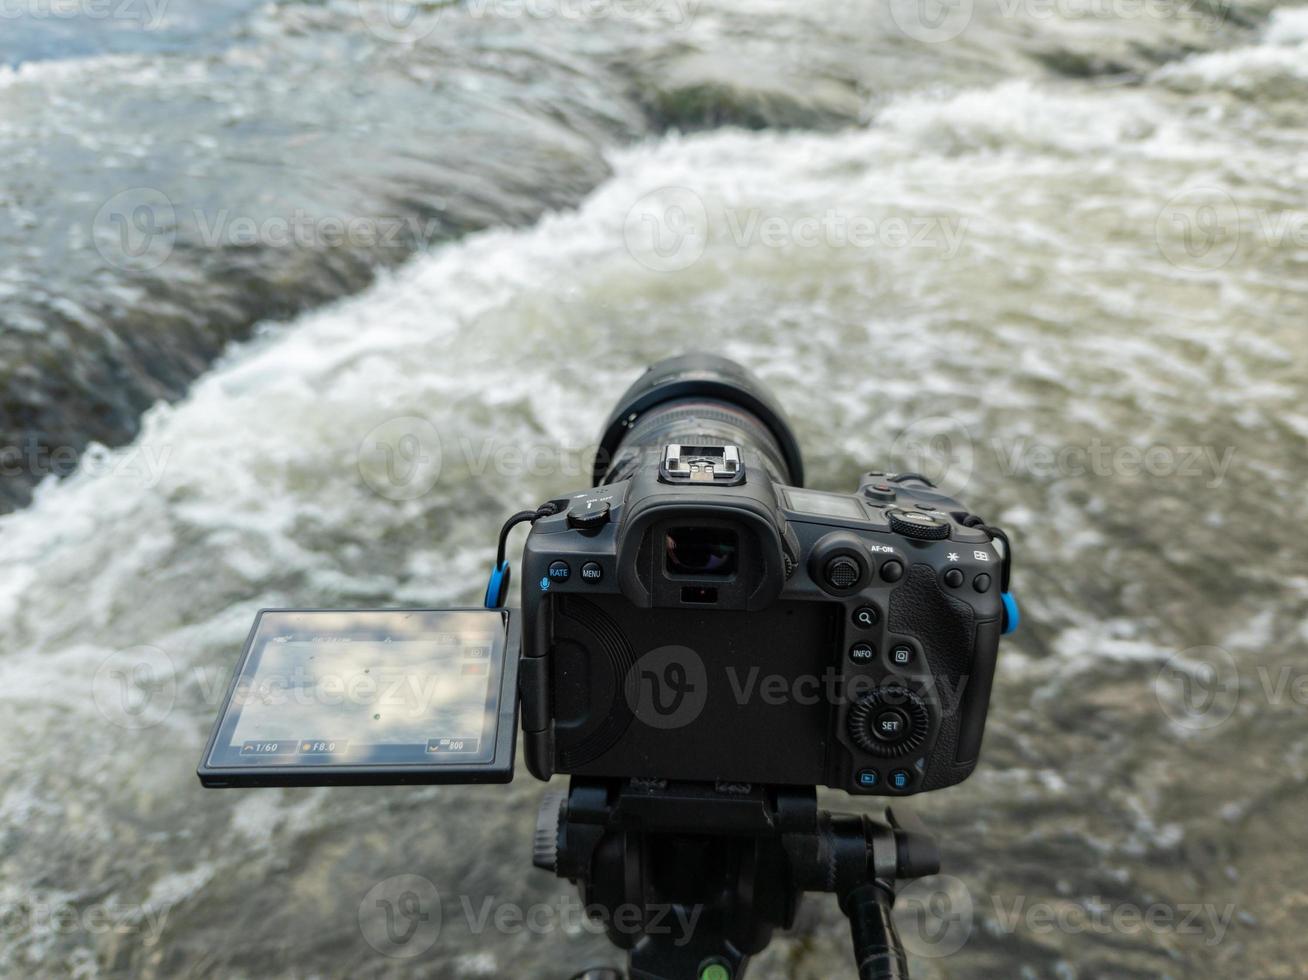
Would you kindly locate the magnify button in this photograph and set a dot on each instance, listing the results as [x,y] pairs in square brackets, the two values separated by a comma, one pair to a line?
[866,617]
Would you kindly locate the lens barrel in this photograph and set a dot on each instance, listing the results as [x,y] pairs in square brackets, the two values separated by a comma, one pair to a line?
[697,399]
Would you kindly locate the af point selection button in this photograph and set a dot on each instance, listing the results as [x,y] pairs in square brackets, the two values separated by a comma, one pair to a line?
[560,571]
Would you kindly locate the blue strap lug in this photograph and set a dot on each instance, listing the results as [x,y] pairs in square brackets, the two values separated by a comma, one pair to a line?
[1012,618]
[497,589]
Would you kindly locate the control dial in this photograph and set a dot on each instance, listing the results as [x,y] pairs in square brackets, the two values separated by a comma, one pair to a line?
[890,721]
[917,524]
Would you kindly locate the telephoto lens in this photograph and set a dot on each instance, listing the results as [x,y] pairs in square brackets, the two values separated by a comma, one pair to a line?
[697,399]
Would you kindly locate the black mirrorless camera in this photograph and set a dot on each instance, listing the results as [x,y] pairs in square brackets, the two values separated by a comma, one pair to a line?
[702,642]
[698,615]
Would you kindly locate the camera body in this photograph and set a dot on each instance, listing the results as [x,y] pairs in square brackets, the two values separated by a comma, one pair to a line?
[698,619]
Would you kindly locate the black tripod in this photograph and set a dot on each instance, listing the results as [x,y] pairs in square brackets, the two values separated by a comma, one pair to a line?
[692,878]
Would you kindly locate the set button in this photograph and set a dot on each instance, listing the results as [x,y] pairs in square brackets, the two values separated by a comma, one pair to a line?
[890,725]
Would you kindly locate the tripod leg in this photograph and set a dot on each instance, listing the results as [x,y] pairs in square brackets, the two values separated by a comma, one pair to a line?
[878,950]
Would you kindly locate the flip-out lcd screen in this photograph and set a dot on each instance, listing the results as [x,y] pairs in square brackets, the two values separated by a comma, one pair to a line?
[369,696]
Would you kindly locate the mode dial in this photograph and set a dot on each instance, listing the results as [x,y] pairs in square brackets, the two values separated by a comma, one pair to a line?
[590,517]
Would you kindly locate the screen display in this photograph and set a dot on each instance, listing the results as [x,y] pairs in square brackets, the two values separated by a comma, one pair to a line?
[825,504]
[374,688]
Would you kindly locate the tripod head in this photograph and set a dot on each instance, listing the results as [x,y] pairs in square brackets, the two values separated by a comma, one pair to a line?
[703,874]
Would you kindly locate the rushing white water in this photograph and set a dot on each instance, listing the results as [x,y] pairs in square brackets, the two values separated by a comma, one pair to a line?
[1028,271]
